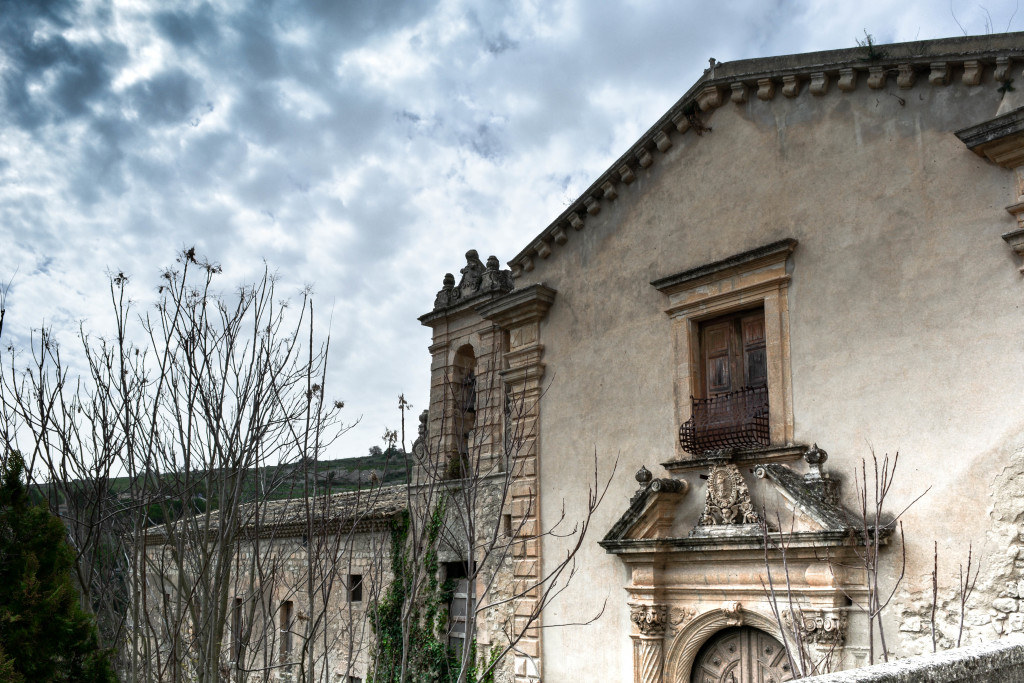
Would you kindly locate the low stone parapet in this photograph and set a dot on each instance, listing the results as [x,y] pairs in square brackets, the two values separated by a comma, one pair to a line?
[1001,661]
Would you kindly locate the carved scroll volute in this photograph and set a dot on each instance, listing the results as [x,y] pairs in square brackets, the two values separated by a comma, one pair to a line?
[822,627]
[649,620]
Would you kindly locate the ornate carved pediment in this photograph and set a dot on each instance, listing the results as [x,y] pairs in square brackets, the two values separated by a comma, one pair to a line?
[651,509]
[730,517]
[684,590]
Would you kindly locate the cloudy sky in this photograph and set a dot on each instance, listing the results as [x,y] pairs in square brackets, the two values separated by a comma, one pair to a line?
[358,146]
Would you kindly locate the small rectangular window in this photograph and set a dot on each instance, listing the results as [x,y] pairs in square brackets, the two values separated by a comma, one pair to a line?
[236,631]
[458,607]
[355,587]
[286,630]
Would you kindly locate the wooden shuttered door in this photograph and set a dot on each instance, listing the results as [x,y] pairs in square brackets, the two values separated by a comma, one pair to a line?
[733,353]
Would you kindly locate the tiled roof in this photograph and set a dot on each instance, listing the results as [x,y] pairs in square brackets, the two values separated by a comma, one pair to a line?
[291,517]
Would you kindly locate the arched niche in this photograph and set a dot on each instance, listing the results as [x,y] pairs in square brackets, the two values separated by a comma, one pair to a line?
[462,389]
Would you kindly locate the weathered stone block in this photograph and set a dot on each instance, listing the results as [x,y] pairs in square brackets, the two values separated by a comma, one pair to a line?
[911,625]
[1005,604]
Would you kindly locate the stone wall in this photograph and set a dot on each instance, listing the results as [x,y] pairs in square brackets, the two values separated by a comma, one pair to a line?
[266,574]
[1000,662]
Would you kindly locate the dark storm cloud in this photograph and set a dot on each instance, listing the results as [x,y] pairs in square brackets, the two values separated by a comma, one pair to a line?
[257,46]
[98,172]
[50,78]
[209,156]
[168,97]
[355,21]
[486,141]
[189,30]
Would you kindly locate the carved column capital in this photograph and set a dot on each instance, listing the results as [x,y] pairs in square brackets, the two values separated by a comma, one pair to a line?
[824,627]
[649,620]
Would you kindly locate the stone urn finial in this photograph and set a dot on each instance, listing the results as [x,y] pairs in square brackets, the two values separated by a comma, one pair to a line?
[644,476]
[816,456]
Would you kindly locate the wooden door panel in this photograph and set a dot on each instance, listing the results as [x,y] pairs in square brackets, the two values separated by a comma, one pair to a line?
[741,655]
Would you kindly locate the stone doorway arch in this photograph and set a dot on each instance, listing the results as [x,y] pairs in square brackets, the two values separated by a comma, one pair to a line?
[741,654]
[689,642]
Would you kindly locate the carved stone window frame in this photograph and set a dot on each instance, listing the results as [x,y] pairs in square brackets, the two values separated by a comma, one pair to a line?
[759,277]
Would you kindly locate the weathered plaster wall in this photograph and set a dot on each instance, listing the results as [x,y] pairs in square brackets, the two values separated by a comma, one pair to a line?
[904,322]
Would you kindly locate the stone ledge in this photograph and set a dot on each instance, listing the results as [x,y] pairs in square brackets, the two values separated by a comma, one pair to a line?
[1001,139]
[751,457]
[998,662]
[746,260]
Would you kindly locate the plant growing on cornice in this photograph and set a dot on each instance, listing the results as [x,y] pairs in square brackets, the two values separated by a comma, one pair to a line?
[874,54]
[692,113]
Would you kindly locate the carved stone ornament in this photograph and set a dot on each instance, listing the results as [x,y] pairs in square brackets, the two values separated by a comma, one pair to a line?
[648,482]
[650,620]
[677,616]
[728,498]
[820,626]
[476,278]
[734,613]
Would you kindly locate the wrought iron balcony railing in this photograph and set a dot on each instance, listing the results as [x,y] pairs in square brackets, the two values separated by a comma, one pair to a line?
[738,419]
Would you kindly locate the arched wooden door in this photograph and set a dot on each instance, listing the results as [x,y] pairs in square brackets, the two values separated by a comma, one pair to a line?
[741,655]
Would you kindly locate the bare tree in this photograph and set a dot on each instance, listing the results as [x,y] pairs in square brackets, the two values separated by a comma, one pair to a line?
[787,608]
[209,406]
[185,462]
[871,528]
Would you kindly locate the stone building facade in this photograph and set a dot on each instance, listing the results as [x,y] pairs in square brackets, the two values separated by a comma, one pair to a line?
[292,600]
[806,261]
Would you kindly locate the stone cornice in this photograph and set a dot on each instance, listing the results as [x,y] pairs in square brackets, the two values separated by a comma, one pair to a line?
[462,308]
[752,541]
[770,253]
[928,63]
[518,307]
[741,457]
[1000,139]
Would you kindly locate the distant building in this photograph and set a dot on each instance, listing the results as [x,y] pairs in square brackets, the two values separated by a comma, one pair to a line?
[293,598]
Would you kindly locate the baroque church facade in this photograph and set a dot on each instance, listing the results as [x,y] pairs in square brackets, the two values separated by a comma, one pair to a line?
[807,265]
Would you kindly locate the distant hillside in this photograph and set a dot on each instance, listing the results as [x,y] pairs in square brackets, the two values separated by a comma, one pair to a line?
[288,481]
[343,475]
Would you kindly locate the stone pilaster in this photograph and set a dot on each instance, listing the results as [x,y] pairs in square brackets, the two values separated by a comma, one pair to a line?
[648,642]
[519,314]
